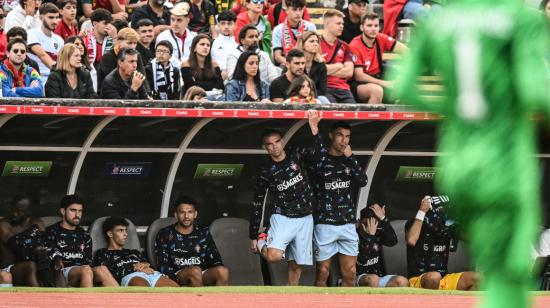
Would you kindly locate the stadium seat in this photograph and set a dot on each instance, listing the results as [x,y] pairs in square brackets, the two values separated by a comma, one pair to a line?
[278,274]
[151,235]
[98,240]
[231,238]
[50,220]
[459,261]
[395,258]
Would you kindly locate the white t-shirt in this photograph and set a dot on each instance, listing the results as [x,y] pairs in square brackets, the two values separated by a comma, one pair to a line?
[51,44]
[220,49]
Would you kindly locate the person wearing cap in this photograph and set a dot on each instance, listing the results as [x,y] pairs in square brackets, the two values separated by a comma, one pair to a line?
[178,35]
[352,22]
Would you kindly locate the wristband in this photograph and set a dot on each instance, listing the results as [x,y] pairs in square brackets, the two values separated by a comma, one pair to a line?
[420,215]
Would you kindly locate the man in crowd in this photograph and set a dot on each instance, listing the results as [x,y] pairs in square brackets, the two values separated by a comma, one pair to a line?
[20,237]
[187,253]
[67,26]
[338,58]
[125,82]
[25,15]
[352,20]
[156,12]
[44,44]
[296,63]
[18,32]
[225,42]
[203,17]
[429,238]
[374,231]
[368,49]
[100,39]
[179,35]
[18,78]
[277,13]
[286,34]
[334,171]
[145,45]
[253,15]
[128,266]
[71,248]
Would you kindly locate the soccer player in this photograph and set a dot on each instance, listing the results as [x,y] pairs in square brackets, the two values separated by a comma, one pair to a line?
[291,226]
[429,237]
[374,231]
[187,253]
[334,171]
[71,248]
[128,266]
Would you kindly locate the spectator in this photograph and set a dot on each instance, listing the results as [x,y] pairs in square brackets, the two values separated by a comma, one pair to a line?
[3,37]
[84,10]
[68,24]
[18,78]
[286,34]
[79,43]
[278,89]
[429,237]
[163,77]
[368,49]
[132,5]
[253,15]
[116,7]
[120,24]
[302,91]
[18,32]
[45,45]
[156,12]
[126,82]
[248,39]
[239,6]
[409,9]
[338,58]
[352,20]
[200,70]
[225,42]
[25,15]
[277,14]
[99,39]
[69,79]
[196,94]
[178,35]
[246,85]
[126,38]
[203,17]
[374,231]
[315,63]
[146,36]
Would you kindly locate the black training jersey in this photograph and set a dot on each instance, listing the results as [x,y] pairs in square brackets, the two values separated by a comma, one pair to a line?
[119,262]
[333,177]
[431,252]
[288,181]
[370,258]
[74,247]
[23,245]
[175,250]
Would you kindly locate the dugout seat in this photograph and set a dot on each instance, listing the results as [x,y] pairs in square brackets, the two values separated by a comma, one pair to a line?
[395,258]
[459,260]
[99,241]
[151,235]
[231,238]
[50,220]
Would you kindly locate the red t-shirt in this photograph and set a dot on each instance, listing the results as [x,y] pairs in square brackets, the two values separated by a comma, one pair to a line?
[99,52]
[3,44]
[343,54]
[65,31]
[282,16]
[106,4]
[367,57]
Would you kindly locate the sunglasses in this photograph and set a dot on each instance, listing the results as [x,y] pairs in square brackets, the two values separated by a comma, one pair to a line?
[257,1]
[19,51]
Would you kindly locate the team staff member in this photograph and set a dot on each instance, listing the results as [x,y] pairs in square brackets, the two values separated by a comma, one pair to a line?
[187,253]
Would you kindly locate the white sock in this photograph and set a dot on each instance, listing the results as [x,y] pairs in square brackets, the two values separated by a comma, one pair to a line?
[260,245]
[6,285]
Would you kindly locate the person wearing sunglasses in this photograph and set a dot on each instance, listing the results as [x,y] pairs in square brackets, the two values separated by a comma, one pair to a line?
[253,15]
[19,79]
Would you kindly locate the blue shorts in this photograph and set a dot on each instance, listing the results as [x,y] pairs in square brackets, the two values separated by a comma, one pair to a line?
[150,278]
[67,270]
[382,281]
[332,239]
[292,235]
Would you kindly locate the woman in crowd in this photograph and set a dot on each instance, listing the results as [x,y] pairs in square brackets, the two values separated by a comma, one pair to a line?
[316,68]
[302,91]
[246,84]
[163,77]
[200,70]
[196,94]
[79,42]
[70,79]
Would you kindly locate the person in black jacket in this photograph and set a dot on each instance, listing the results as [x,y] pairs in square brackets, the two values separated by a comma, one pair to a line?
[164,78]
[70,79]
[125,82]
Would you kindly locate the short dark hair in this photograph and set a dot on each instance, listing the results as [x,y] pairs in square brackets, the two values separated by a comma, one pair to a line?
[166,44]
[101,14]
[123,52]
[144,22]
[16,41]
[67,200]
[296,3]
[17,31]
[184,199]
[119,24]
[61,3]
[294,53]
[112,222]
[48,8]
[246,28]
[227,15]
[270,132]
[367,212]
[369,16]
[340,124]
